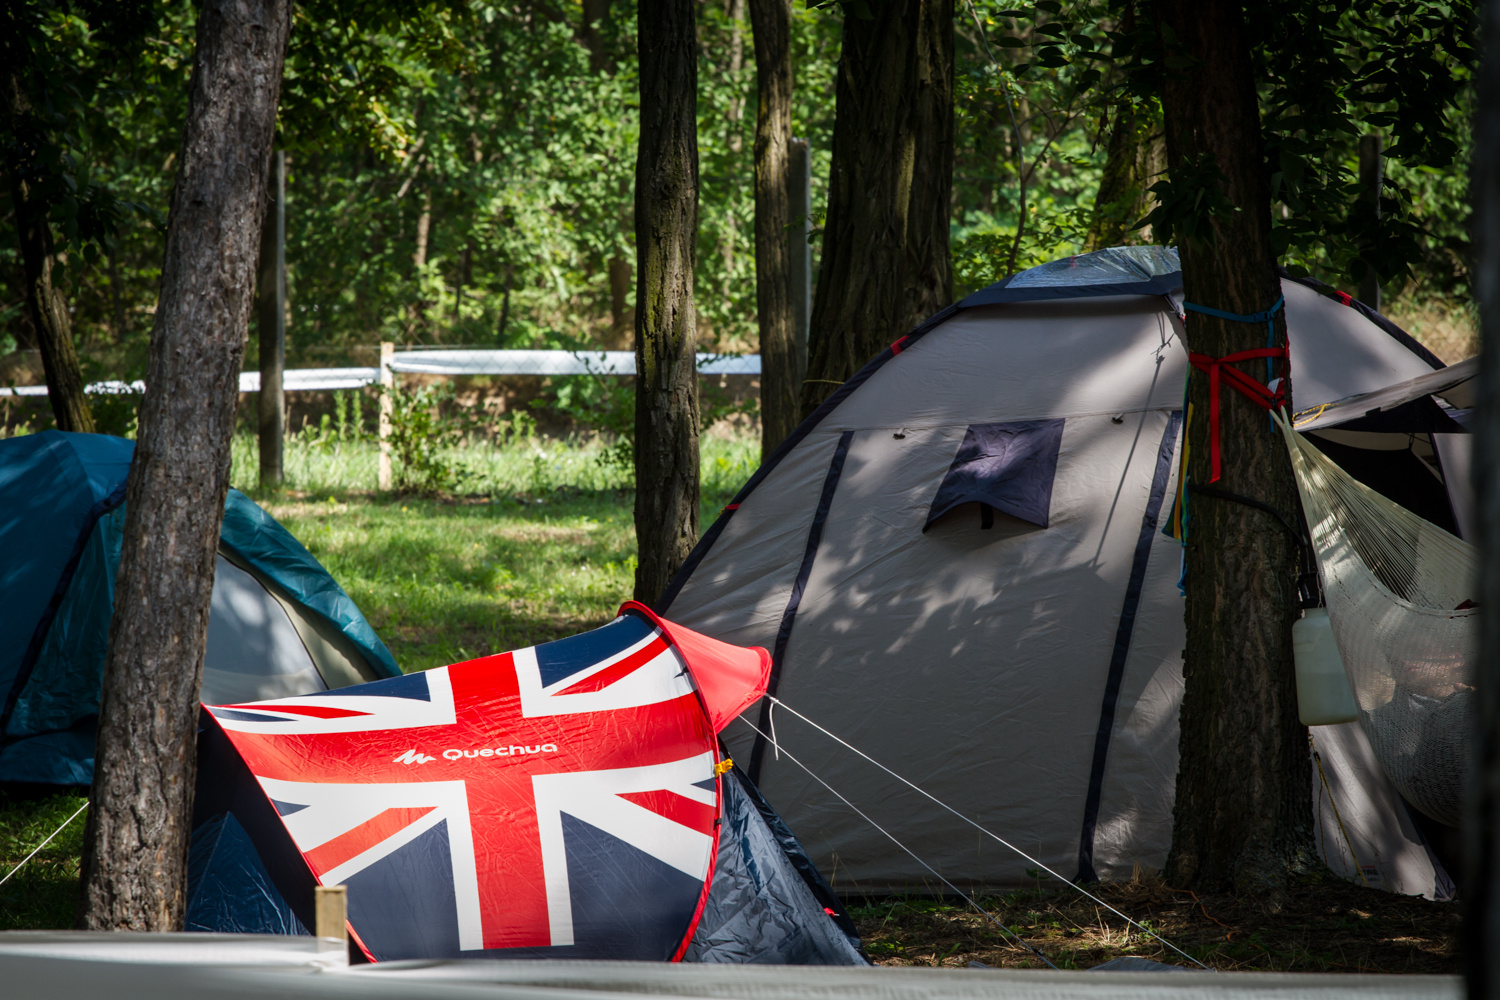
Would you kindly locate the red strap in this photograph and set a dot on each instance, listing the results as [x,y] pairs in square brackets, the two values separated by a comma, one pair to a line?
[1246,386]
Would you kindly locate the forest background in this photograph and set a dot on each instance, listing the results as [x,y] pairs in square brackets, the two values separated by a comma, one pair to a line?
[462,173]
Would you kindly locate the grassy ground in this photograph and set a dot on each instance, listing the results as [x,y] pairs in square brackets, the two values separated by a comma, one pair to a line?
[537,543]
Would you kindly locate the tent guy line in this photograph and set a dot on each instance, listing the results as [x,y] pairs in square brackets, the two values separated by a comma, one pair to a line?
[44,843]
[864,816]
[937,801]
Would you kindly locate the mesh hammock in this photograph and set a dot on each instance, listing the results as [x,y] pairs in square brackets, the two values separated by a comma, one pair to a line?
[1400,594]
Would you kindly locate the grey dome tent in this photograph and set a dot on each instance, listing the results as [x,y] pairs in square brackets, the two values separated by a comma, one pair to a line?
[959,565]
[279,624]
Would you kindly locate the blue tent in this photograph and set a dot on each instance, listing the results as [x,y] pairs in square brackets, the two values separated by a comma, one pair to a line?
[279,625]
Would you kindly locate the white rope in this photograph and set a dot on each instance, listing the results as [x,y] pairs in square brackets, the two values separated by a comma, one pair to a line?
[859,812]
[989,833]
[43,843]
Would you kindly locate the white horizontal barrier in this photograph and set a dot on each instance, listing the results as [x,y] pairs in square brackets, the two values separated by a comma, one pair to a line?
[451,363]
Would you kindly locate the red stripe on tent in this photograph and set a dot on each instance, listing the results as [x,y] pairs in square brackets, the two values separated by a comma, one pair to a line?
[1344,297]
[327,857]
[690,813]
[316,711]
[617,670]
[708,879]
[899,345]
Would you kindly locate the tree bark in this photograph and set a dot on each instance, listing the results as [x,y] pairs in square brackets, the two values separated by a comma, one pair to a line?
[1481,890]
[1135,159]
[45,303]
[135,845]
[270,321]
[735,11]
[885,263]
[771,24]
[666,232]
[1242,819]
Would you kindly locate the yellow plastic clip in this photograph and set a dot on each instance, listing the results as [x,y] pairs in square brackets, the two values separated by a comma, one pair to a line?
[724,765]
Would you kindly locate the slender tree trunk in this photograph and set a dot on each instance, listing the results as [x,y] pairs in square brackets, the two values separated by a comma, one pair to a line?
[666,231]
[135,845]
[592,39]
[771,24]
[1135,158]
[1481,890]
[1242,819]
[734,114]
[885,263]
[45,302]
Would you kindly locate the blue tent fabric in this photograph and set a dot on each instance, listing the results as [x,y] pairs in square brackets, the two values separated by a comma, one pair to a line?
[230,890]
[762,909]
[1114,271]
[62,516]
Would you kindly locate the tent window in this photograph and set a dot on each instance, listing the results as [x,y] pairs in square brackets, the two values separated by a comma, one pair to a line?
[1003,467]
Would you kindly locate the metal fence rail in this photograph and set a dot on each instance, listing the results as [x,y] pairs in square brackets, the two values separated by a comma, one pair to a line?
[451,363]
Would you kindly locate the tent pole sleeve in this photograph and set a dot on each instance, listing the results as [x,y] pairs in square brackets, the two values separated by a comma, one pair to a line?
[1121,649]
[789,616]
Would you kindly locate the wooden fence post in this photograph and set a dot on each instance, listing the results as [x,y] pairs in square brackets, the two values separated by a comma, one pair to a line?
[331,912]
[387,407]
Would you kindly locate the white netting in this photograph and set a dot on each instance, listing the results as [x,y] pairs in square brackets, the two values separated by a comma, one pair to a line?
[1400,594]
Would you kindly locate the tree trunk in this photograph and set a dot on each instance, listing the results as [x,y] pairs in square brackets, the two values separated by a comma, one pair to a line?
[1481,890]
[270,321]
[592,39]
[1243,819]
[666,231]
[1135,159]
[885,264]
[771,24]
[45,303]
[735,11]
[135,845]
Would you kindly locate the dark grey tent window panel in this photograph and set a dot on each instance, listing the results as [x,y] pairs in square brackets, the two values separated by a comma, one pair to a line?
[1007,467]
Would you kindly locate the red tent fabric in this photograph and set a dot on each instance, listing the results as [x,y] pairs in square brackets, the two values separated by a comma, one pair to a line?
[561,800]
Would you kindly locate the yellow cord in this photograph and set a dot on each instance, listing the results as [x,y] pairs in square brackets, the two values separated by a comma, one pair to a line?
[724,765]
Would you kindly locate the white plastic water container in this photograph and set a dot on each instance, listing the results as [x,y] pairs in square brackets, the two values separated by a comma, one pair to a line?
[1323,694]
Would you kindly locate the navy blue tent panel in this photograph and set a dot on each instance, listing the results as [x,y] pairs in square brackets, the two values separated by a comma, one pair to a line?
[1007,467]
[768,905]
[231,891]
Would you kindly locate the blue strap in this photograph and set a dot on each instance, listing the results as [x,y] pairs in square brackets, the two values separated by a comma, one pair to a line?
[1260,317]
[1265,317]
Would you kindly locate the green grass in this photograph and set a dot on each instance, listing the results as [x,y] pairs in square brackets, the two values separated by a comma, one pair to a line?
[44,894]
[536,543]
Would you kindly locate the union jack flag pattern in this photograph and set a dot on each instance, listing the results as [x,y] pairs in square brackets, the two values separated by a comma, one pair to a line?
[559,800]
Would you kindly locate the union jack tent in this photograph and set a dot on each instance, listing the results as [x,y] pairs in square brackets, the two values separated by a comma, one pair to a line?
[565,800]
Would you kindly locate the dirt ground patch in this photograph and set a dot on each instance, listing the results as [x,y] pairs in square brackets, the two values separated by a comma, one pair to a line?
[1322,927]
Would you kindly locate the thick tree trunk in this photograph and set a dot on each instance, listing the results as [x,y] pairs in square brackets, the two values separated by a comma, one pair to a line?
[45,302]
[779,378]
[666,231]
[1481,890]
[135,846]
[1242,819]
[885,264]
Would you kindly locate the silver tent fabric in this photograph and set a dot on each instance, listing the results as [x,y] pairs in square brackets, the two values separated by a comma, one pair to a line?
[72,965]
[254,652]
[975,662]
